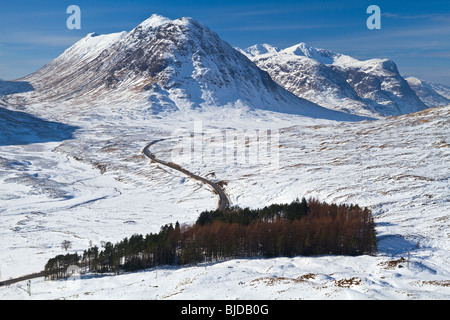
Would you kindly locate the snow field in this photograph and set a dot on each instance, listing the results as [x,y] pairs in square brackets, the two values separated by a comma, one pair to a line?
[398,167]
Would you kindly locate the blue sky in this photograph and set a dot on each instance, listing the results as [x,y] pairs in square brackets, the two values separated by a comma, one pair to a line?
[415,34]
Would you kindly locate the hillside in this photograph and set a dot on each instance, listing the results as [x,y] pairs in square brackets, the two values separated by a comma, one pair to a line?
[397,167]
[72,166]
[164,65]
[371,88]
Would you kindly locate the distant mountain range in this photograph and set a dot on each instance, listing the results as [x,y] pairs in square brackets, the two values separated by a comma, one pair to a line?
[169,65]
[373,87]
[182,65]
[432,94]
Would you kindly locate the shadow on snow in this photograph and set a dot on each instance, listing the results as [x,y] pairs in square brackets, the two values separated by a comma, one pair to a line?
[20,128]
[11,87]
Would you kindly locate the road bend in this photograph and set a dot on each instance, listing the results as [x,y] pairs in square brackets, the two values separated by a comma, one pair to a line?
[223,203]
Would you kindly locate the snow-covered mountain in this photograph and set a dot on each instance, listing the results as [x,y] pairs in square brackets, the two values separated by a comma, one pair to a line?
[259,49]
[373,87]
[169,64]
[428,92]
[71,165]
[443,90]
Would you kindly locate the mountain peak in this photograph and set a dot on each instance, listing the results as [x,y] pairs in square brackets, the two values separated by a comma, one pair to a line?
[300,50]
[414,80]
[320,55]
[167,65]
[259,49]
[154,21]
[92,35]
[337,81]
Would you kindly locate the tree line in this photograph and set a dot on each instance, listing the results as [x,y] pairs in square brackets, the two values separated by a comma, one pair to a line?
[300,228]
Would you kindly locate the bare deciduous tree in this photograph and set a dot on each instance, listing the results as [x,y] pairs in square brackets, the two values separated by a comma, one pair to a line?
[66,244]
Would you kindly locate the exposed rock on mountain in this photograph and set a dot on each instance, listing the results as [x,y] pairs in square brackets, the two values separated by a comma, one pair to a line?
[373,87]
[428,93]
[170,64]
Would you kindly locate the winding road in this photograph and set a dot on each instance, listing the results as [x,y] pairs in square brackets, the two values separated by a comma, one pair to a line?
[22,278]
[224,202]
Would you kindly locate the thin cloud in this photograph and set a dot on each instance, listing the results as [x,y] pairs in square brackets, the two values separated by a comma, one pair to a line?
[255,13]
[28,38]
[427,16]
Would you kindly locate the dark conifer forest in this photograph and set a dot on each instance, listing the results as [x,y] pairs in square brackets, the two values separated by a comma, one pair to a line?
[303,227]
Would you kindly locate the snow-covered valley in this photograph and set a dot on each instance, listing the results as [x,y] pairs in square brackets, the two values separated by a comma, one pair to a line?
[72,168]
[398,167]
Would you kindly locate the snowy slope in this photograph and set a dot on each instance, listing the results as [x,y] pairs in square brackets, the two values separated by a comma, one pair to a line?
[21,128]
[427,93]
[88,182]
[443,90]
[398,167]
[259,49]
[373,87]
[167,65]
